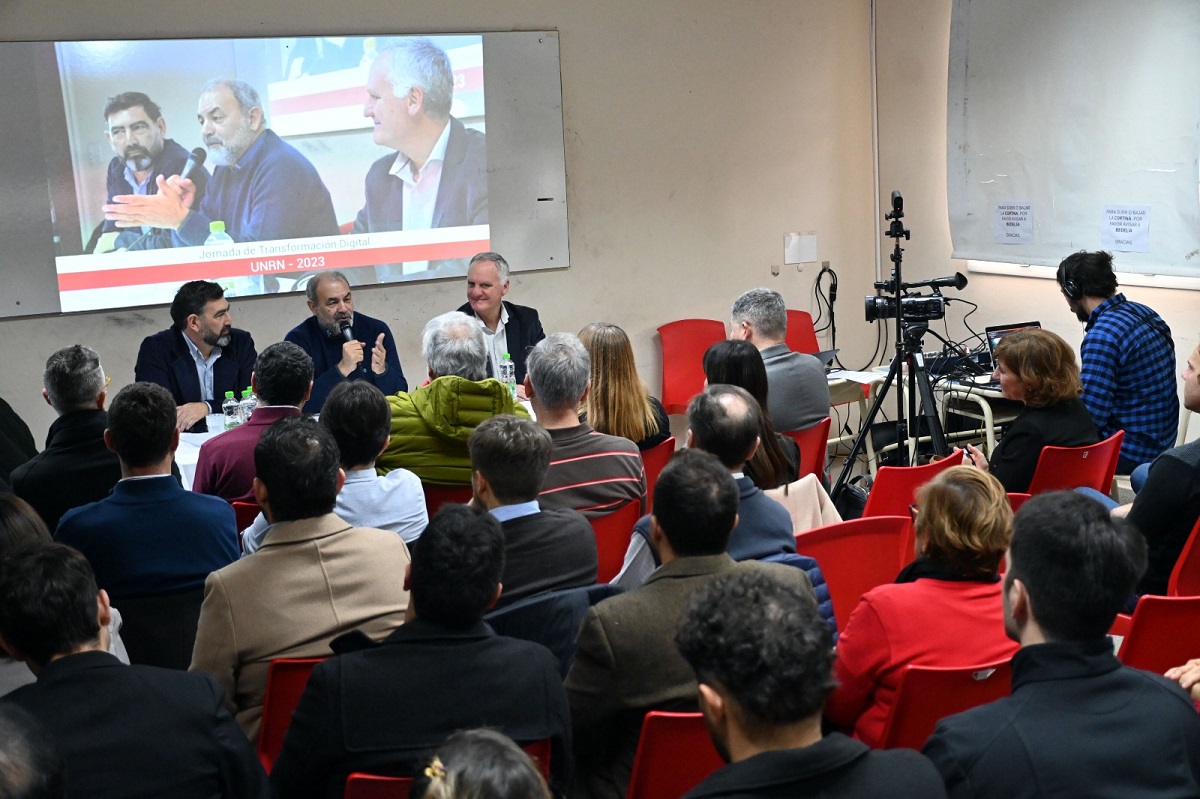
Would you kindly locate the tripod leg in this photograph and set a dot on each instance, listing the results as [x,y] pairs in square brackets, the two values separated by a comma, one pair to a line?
[929,407]
[865,429]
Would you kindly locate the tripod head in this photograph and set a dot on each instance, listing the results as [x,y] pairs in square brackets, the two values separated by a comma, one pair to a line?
[897,230]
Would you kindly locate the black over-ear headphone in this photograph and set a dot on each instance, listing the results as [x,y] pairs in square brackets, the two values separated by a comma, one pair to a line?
[1069,286]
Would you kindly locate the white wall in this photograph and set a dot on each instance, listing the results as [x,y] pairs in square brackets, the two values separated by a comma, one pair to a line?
[697,132]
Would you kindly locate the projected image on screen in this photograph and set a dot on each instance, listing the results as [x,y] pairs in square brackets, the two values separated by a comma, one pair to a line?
[254,162]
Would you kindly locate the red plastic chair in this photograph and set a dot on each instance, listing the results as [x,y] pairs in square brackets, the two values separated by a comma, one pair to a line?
[1065,468]
[1164,632]
[857,555]
[437,496]
[683,346]
[653,461]
[801,336]
[674,755]
[245,513]
[928,694]
[286,679]
[1016,500]
[895,487]
[613,534]
[813,442]
[1185,577]
[375,786]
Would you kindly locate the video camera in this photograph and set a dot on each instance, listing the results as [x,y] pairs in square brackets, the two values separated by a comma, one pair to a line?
[915,307]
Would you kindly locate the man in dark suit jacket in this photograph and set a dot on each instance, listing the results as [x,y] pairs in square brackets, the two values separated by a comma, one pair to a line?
[438,175]
[384,709]
[150,537]
[76,467]
[626,663]
[544,550]
[509,327]
[123,731]
[200,357]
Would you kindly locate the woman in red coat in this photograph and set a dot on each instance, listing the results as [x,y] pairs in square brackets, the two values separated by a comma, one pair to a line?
[943,610]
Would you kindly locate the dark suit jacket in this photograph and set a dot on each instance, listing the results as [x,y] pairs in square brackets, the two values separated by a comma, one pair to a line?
[547,551]
[170,162]
[626,664]
[164,359]
[524,329]
[16,442]
[383,710]
[75,468]
[137,731]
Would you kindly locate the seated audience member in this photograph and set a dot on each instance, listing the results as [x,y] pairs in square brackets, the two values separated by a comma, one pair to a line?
[16,442]
[150,537]
[1078,723]
[19,526]
[507,327]
[618,403]
[764,662]
[799,395]
[383,709]
[726,421]
[480,763]
[76,467]
[544,550]
[738,363]
[943,609]
[313,578]
[365,350]
[626,663]
[30,765]
[200,357]
[431,424]
[358,416]
[282,380]
[1037,368]
[1188,677]
[122,730]
[590,472]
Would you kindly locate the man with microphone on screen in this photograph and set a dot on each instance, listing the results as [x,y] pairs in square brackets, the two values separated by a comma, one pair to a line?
[343,344]
[262,188]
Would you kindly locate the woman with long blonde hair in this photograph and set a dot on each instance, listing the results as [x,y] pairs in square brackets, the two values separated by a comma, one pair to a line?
[619,403]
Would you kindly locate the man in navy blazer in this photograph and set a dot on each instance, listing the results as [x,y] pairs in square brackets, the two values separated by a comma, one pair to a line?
[438,175]
[509,327]
[200,357]
[150,537]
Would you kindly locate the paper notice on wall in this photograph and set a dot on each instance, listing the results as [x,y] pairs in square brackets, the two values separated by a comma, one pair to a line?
[1013,223]
[1126,228]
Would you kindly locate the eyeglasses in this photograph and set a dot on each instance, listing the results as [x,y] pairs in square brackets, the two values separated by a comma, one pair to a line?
[107,380]
[913,510]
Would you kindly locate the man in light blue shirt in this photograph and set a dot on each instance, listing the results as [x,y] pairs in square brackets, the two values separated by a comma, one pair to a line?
[358,416]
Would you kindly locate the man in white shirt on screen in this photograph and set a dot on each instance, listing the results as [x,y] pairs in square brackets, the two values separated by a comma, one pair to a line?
[437,176]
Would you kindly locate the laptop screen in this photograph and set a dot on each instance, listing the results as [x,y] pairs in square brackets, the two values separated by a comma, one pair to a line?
[994,334]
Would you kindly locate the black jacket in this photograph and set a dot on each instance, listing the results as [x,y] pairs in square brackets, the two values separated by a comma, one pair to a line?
[164,359]
[523,330]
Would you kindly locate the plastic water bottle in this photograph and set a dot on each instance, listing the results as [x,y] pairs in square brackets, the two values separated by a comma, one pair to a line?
[217,237]
[232,409]
[248,404]
[508,374]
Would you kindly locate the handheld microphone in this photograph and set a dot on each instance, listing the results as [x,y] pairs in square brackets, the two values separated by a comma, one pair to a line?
[195,160]
[348,334]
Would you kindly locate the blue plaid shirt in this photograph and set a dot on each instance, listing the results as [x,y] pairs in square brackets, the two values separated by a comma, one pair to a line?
[1129,377]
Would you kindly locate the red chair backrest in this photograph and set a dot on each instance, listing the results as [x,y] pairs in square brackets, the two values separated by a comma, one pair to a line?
[1016,500]
[928,694]
[375,786]
[286,679]
[674,755]
[437,496]
[1185,577]
[813,442]
[613,533]
[800,336]
[1165,632]
[653,461]
[1064,468]
[857,555]
[895,487]
[683,346]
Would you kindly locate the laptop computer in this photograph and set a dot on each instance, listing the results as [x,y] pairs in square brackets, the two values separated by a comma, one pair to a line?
[993,336]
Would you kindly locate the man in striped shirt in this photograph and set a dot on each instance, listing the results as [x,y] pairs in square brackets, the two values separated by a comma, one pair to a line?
[590,472]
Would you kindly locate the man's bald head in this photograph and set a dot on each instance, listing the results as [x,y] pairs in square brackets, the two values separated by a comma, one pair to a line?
[725,420]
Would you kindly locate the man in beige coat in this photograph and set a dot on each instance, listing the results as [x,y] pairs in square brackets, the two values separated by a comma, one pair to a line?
[312,578]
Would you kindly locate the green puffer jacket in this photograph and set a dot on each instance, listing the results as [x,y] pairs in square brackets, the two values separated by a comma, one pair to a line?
[430,427]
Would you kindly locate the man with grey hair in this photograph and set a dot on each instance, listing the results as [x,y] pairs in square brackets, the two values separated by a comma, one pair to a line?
[590,472]
[797,393]
[431,425]
[510,328]
[344,345]
[437,177]
[262,188]
[76,467]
